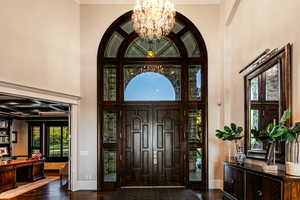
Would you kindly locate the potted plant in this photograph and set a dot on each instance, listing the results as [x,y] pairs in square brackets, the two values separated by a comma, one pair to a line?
[291,137]
[233,133]
[273,135]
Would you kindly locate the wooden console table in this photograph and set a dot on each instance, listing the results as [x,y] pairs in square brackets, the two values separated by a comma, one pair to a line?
[19,170]
[251,182]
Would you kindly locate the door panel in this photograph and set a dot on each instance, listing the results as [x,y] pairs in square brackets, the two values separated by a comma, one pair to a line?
[166,142]
[137,149]
[152,147]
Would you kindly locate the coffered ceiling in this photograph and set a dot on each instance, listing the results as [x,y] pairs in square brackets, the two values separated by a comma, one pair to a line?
[26,107]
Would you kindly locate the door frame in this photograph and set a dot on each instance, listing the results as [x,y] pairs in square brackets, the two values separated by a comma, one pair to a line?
[117,105]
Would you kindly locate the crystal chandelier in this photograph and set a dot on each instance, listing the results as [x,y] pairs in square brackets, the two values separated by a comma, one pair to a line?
[153,19]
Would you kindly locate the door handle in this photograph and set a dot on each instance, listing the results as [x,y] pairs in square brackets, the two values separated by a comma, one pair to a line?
[154,157]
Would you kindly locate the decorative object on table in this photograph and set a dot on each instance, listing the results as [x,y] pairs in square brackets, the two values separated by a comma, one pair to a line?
[14,137]
[3,123]
[3,151]
[36,155]
[274,134]
[292,164]
[153,19]
[233,133]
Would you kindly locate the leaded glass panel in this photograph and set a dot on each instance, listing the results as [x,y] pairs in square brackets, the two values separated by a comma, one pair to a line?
[191,45]
[109,127]
[195,126]
[195,82]
[195,165]
[109,84]
[113,45]
[163,47]
[127,27]
[110,165]
[272,84]
[178,27]
[254,89]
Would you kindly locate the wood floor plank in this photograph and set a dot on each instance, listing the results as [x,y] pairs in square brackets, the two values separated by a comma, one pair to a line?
[54,191]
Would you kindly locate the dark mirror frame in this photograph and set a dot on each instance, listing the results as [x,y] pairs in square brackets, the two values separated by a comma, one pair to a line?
[282,57]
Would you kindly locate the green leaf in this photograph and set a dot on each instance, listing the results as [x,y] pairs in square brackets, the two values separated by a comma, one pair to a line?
[281,131]
[270,127]
[285,116]
[289,137]
[227,129]
[233,126]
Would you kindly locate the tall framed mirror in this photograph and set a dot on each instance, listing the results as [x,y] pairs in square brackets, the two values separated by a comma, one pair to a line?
[268,93]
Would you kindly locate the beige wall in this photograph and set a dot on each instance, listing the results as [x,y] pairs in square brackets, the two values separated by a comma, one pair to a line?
[95,19]
[21,147]
[259,25]
[40,44]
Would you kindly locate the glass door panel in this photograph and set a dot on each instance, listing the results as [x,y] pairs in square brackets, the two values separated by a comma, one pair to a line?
[195,165]
[110,165]
[195,131]
[109,127]
[65,141]
[110,83]
[195,126]
[54,141]
[36,139]
[195,81]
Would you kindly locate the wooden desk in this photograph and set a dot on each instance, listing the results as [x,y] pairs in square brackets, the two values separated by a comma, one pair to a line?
[19,170]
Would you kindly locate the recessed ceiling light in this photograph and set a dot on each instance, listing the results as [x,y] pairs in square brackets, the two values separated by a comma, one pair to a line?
[12,103]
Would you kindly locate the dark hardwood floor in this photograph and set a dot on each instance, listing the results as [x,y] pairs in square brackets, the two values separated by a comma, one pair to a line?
[54,191]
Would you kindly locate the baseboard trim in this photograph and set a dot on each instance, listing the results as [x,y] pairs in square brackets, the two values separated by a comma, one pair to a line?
[87,185]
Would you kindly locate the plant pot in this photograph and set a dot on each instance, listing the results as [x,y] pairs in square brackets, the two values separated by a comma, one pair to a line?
[239,155]
[292,168]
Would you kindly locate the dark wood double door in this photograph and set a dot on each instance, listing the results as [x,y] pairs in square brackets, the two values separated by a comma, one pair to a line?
[152,152]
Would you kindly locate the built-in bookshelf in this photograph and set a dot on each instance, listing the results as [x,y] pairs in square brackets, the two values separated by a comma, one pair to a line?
[5,137]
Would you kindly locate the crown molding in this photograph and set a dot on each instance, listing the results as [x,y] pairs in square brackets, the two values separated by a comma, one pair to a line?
[178,2]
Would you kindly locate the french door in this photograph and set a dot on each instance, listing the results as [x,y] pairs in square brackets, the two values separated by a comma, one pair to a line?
[152,146]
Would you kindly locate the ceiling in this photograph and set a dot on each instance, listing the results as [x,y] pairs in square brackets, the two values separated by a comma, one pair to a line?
[134,1]
[26,107]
